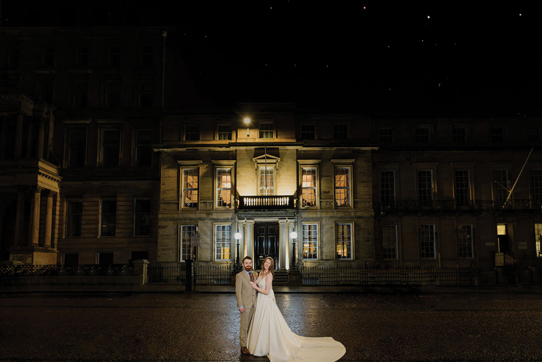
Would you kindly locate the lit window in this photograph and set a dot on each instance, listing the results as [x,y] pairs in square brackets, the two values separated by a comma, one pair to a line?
[344,241]
[222,242]
[310,241]
[427,241]
[142,217]
[538,238]
[342,186]
[109,217]
[223,187]
[389,241]
[464,238]
[74,216]
[190,187]
[266,130]
[308,186]
[187,232]
[267,181]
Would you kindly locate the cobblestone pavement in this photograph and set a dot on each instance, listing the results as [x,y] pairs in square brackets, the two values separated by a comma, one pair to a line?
[204,326]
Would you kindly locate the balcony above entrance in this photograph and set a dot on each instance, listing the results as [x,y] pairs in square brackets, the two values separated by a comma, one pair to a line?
[266,202]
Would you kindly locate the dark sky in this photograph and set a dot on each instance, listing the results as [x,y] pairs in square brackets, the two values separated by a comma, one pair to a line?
[384,56]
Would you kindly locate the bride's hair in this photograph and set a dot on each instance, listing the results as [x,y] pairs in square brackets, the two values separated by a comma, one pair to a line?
[271,267]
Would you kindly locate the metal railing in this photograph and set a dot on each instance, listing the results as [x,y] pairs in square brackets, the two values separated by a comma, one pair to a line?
[455,205]
[405,276]
[66,270]
[266,202]
[204,274]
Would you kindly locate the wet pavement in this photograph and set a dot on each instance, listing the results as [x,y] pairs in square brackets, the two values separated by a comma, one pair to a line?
[205,326]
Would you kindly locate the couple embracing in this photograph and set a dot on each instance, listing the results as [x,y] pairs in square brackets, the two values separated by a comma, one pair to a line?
[264,331]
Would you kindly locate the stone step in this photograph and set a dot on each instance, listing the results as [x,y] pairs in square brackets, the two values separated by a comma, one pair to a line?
[281,277]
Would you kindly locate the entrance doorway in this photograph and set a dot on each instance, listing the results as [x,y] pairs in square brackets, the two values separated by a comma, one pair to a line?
[266,242]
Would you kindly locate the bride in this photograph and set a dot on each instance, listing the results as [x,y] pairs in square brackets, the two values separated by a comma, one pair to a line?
[270,336]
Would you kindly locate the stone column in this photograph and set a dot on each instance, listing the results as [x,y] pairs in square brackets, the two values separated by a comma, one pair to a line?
[56,216]
[19,136]
[48,220]
[35,222]
[41,138]
[249,239]
[283,243]
[19,218]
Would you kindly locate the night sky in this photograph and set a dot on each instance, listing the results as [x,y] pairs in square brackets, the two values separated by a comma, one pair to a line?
[421,57]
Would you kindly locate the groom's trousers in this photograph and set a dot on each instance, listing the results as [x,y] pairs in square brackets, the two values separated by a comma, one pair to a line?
[246,317]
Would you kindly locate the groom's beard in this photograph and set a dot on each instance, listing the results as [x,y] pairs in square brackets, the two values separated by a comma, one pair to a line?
[248,268]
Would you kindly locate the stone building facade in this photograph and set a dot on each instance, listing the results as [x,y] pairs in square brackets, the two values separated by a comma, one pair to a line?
[456,192]
[280,172]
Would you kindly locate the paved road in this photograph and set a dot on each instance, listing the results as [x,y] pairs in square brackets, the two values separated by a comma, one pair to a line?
[204,327]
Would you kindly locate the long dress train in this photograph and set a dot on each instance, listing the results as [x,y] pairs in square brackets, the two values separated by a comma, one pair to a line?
[270,336]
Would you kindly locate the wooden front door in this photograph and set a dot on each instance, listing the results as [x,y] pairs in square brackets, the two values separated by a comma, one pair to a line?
[266,243]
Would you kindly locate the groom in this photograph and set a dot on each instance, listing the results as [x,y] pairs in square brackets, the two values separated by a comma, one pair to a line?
[246,300]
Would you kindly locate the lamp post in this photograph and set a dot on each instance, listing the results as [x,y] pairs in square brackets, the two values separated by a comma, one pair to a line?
[238,238]
[293,236]
[247,122]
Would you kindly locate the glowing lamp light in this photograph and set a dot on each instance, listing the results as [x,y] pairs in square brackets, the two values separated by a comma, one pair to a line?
[247,121]
[293,235]
[238,236]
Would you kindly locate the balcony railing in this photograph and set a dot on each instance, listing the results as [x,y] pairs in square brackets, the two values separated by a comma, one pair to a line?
[453,205]
[266,202]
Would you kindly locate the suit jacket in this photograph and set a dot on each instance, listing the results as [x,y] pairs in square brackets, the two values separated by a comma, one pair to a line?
[246,295]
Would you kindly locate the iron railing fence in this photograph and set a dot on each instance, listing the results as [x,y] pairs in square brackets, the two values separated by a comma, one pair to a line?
[456,205]
[65,270]
[473,276]
[204,274]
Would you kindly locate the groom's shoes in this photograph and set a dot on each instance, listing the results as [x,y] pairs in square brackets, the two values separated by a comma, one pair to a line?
[244,350]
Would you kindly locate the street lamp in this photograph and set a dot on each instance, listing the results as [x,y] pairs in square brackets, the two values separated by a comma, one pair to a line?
[293,236]
[247,122]
[238,238]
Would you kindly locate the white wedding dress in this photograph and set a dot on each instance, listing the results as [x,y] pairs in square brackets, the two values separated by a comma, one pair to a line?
[270,336]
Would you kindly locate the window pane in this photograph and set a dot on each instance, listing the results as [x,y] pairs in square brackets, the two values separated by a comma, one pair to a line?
[310,241]
[465,241]
[74,217]
[224,133]
[387,188]
[191,132]
[109,217]
[308,186]
[385,135]
[267,186]
[190,187]
[142,217]
[422,135]
[344,241]
[144,150]
[266,130]
[307,132]
[110,148]
[536,185]
[459,134]
[340,131]
[342,186]
[223,242]
[223,187]
[186,241]
[389,242]
[462,187]
[427,241]
[538,238]
[425,186]
[500,184]
[76,148]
